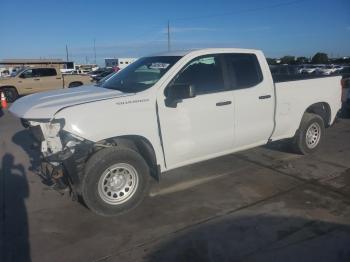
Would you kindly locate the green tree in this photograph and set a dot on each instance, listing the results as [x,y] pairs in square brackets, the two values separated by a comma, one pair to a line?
[320,58]
[302,60]
[288,59]
[271,61]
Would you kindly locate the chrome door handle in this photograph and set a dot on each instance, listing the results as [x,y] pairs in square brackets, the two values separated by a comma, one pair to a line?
[225,103]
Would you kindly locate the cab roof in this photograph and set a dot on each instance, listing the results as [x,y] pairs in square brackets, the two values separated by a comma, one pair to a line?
[206,50]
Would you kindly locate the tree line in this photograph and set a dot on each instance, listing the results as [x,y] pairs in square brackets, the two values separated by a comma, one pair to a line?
[318,58]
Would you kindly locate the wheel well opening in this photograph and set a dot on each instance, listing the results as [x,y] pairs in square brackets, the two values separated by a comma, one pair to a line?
[323,110]
[75,83]
[142,146]
[3,87]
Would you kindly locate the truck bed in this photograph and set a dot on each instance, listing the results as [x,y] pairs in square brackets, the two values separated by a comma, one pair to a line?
[277,78]
[294,97]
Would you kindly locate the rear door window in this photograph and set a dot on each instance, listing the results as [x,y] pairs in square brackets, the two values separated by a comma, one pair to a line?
[41,72]
[244,70]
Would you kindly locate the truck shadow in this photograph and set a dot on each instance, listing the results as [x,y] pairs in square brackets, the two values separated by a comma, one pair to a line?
[14,239]
[258,238]
[280,146]
[24,139]
[344,113]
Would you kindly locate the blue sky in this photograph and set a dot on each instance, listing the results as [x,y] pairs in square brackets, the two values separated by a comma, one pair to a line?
[42,28]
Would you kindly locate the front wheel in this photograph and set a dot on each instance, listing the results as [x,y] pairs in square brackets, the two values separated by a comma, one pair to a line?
[10,94]
[309,135]
[116,180]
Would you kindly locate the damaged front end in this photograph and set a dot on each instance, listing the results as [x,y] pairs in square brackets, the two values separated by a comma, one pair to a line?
[61,152]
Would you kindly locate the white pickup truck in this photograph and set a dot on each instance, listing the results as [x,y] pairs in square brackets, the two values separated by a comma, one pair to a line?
[170,110]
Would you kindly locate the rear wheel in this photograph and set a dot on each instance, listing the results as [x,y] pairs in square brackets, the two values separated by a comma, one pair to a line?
[116,180]
[309,135]
[10,94]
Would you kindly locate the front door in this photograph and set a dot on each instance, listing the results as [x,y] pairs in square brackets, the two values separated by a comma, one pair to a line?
[28,82]
[202,126]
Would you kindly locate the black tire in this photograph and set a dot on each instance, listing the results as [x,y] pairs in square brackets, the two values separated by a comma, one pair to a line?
[75,84]
[300,143]
[10,94]
[95,171]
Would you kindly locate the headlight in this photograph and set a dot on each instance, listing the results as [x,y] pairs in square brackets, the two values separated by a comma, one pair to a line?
[70,140]
[51,129]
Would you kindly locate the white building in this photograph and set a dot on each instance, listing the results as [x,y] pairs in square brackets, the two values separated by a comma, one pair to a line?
[119,62]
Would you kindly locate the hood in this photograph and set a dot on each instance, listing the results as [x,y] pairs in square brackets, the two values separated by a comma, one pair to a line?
[44,105]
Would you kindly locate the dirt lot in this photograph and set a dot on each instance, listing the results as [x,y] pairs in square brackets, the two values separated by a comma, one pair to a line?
[263,204]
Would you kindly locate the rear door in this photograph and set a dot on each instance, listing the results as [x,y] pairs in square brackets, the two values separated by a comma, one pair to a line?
[49,79]
[253,100]
[202,126]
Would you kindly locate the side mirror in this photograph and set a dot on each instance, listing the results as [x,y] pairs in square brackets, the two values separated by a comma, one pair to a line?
[177,92]
[22,76]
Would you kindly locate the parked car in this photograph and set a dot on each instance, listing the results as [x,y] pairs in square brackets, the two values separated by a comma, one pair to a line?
[101,74]
[170,110]
[309,69]
[101,81]
[39,79]
[284,69]
[328,69]
[96,72]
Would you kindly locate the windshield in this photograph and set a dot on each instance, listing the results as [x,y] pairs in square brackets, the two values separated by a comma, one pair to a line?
[17,72]
[141,74]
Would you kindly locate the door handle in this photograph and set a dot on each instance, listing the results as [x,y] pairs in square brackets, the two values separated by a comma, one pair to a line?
[225,103]
[58,78]
[36,79]
[265,97]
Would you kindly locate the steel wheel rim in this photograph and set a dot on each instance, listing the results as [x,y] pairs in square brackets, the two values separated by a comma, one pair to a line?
[313,135]
[118,184]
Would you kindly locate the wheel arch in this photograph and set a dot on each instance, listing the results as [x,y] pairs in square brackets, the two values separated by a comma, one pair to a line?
[8,86]
[75,82]
[140,144]
[323,110]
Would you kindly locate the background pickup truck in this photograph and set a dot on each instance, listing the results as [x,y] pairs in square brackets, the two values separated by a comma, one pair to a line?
[33,80]
[169,110]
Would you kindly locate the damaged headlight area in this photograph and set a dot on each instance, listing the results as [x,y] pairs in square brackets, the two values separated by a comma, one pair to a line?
[55,143]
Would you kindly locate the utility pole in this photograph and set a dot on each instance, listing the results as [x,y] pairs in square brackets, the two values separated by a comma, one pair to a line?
[67,53]
[95,50]
[168,35]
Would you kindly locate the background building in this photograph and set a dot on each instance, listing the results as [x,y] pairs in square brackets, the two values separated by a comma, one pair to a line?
[119,62]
